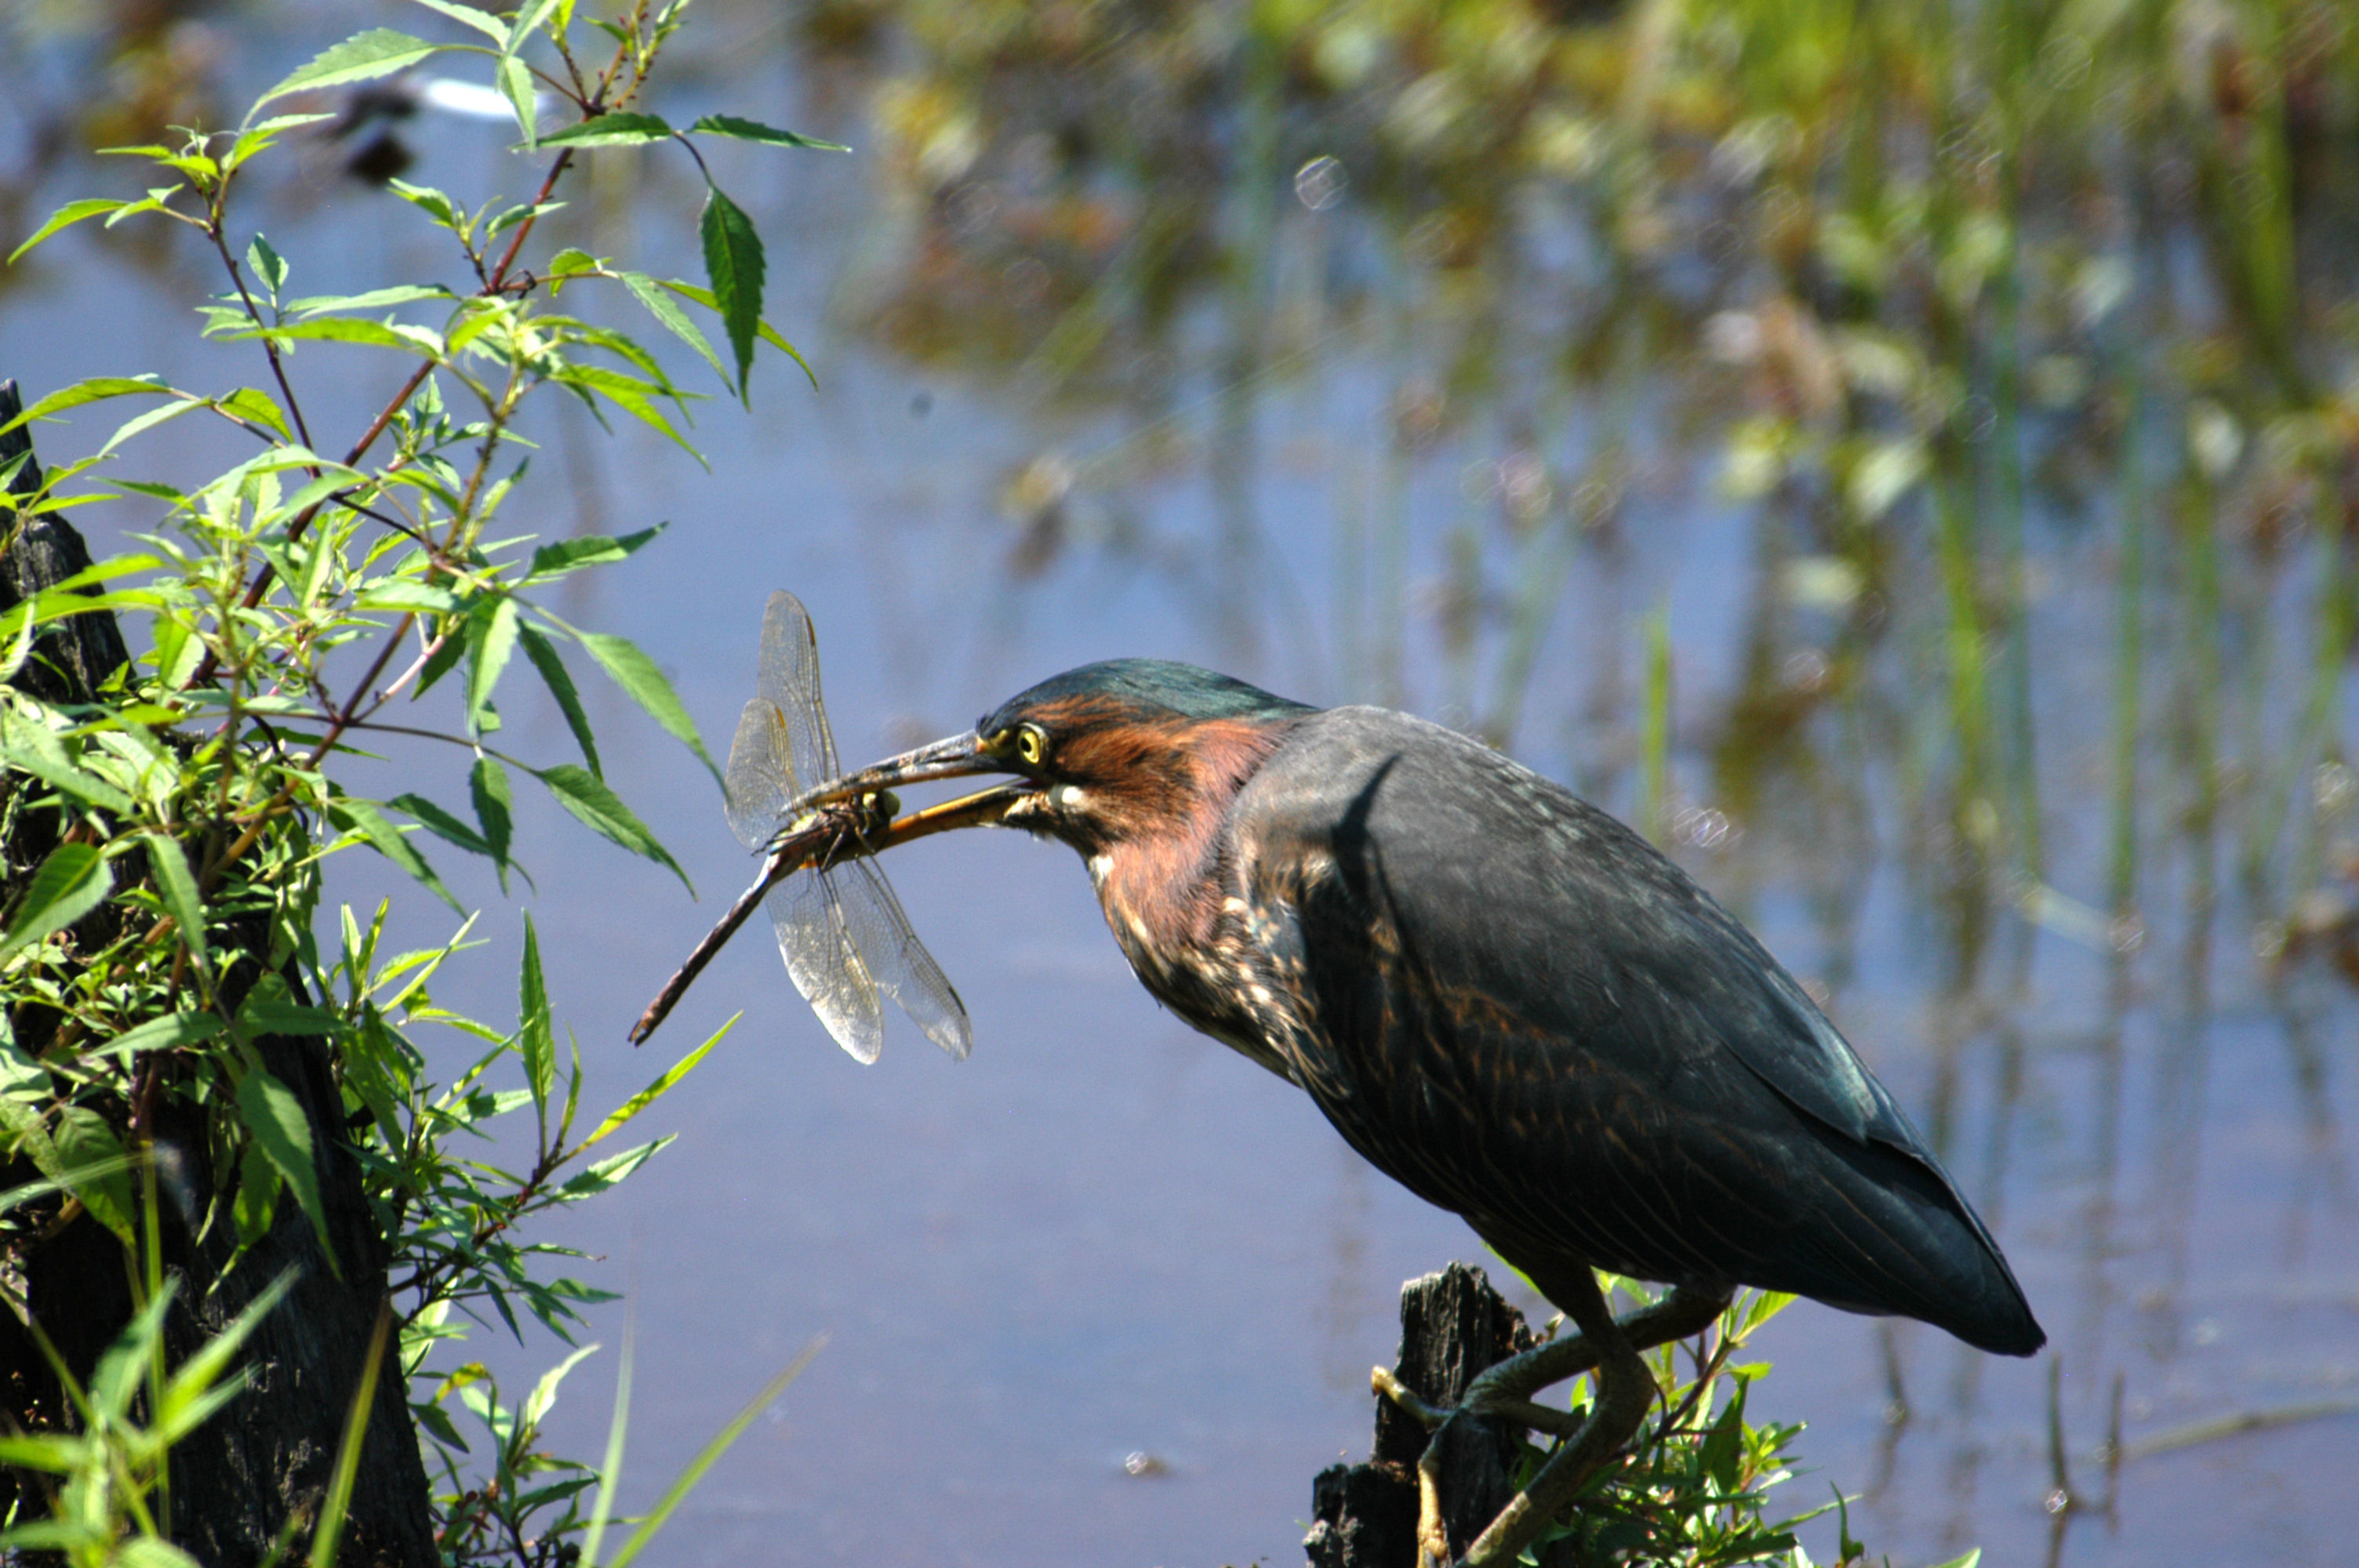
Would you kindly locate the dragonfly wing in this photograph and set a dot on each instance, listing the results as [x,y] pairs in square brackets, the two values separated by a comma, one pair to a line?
[761,777]
[897,961]
[824,960]
[791,680]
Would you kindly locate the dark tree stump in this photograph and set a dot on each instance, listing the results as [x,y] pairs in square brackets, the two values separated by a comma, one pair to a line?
[1453,1325]
[267,1456]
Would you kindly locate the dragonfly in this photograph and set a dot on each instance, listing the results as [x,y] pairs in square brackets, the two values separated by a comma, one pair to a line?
[846,942]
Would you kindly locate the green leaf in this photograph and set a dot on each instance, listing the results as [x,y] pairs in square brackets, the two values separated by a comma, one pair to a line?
[650,293]
[255,405]
[441,823]
[72,213]
[92,390]
[91,1163]
[364,57]
[50,765]
[353,330]
[70,883]
[168,1032]
[149,420]
[267,265]
[528,17]
[626,391]
[491,641]
[601,810]
[637,675]
[361,816]
[515,85]
[553,674]
[767,333]
[488,786]
[570,261]
[599,1175]
[178,886]
[275,1117]
[610,131]
[536,1040]
[375,298]
[271,1015]
[661,1087]
[490,26]
[733,263]
[590,550]
[754,131]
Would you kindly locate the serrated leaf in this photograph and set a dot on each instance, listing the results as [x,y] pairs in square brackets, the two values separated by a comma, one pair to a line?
[769,333]
[603,1174]
[363,818]
[491,640]
[601,810]
[570,261]
[72,213]
[515,85]
[590,550]
[168,1032]
[528,17]
[375,298]
[440,823]
[60,773]
[92,389]
[625,392]
[645,684]
[745,130]
[655,1091]
[534,1039]
[620,130]
[554,674]
[487,785]
[275,1117]
[364,57]
[484,22]
[72,882]
[351,329]
[177,885]
[252,404]
[267,1015]
[733,264]
[650,293]
[147,421]
[267,265]
[91,1163]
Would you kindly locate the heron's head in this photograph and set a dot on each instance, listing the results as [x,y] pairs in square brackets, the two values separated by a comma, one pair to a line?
[1104,754]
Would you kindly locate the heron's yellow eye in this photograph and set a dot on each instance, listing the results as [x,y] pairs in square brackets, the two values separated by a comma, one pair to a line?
[1031,745]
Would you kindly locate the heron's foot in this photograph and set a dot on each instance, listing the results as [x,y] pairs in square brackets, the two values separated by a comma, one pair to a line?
[1586,1439]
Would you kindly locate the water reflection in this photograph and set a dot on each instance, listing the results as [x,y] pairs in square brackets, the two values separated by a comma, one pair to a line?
[1992,478]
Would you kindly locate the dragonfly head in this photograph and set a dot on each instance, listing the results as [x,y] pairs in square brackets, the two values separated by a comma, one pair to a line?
[1111,754]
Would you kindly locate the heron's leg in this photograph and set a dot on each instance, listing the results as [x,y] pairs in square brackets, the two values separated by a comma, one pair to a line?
[1624,1390]
[1506,1388]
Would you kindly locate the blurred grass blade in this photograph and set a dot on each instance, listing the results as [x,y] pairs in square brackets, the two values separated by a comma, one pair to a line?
[708,1455]
[330,1528]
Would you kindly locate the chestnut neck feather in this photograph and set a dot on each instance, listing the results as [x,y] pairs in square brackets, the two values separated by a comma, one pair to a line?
[1154,797]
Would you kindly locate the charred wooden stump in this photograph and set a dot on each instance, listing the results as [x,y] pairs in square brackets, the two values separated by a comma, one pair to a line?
[266,1458]
[1453,1325]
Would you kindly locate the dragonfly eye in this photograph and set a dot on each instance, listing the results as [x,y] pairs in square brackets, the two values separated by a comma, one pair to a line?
[1031,745]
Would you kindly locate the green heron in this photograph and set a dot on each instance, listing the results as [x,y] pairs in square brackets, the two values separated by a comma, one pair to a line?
[1503,998]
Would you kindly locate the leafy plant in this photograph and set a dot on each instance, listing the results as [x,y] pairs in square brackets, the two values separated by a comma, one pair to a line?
[160,957]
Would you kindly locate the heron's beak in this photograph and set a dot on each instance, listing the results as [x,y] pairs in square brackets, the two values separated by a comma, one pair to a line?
[956,756]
